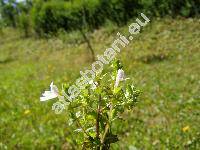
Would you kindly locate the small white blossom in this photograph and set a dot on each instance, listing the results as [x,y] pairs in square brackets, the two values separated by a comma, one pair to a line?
[53,93]
[120,77]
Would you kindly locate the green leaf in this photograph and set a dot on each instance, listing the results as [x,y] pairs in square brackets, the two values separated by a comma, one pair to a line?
[117,90]
[111,138]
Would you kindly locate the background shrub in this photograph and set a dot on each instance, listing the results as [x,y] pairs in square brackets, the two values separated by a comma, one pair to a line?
[24,23]
[49,16]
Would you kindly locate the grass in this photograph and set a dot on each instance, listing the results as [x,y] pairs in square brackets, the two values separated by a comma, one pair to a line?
[163,62]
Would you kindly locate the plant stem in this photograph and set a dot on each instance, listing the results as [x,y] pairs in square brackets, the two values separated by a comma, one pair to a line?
[88,43]
[107,127]
[79,124]
[105,133]
[97,119]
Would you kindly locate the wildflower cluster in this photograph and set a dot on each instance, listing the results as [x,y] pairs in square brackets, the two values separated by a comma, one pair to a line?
[95,110]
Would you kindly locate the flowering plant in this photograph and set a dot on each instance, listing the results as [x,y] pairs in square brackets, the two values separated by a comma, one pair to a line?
[98,107]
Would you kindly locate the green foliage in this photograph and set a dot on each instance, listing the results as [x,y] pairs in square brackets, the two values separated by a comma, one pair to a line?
[91,13]
[120,11]
[96,109]
[48,17]
[36,18]
[52,16]
[24,23]
[8,12]
[72,15]
[161,8]
[1,26]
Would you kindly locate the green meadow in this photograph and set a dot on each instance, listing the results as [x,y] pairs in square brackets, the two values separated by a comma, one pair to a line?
[163,62]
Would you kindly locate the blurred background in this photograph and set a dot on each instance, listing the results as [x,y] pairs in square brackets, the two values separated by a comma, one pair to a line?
[45,40]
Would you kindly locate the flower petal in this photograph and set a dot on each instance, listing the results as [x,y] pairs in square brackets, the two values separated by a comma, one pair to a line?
[48,97]
[53,88]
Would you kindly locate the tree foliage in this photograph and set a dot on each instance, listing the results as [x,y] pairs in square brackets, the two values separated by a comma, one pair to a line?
[49,16]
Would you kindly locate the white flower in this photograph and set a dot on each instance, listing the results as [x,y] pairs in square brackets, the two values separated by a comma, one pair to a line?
[53,93]
[120,77]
